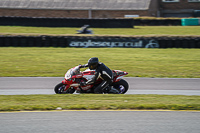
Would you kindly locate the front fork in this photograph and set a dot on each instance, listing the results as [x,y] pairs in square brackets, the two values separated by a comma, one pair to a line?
[66,85]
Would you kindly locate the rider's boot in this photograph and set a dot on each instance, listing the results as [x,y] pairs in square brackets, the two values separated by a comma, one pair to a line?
[113,91]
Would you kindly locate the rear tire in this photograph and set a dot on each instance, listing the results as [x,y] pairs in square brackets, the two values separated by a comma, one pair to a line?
[122,86]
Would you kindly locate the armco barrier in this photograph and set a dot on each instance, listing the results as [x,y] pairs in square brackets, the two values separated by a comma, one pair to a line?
[99,41]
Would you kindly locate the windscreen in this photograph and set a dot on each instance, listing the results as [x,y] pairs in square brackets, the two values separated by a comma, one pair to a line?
[72,72]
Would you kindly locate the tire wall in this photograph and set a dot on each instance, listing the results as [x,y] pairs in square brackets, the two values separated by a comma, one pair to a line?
[78,22]
[157,22]
[100,41]
[66,22]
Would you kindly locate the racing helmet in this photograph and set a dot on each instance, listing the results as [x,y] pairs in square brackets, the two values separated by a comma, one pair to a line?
[93,63]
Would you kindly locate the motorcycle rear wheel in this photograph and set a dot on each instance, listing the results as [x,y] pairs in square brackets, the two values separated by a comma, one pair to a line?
[122,86]
[59,89]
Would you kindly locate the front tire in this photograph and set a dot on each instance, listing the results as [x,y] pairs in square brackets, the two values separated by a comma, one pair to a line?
[122,86]
[59,89]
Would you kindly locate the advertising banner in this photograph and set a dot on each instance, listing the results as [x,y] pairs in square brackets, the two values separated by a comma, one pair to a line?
[133,43]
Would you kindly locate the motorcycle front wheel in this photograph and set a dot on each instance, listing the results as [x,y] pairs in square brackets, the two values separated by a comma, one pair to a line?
[59,89]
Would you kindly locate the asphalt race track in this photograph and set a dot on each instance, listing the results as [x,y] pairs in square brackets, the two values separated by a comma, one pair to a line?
[45,85]
[101,122]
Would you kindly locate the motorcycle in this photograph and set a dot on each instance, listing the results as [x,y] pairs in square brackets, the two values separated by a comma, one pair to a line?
[74,77]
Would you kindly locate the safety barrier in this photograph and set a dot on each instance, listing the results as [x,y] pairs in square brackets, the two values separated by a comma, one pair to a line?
[66,22]
[190,21]
[99,41]
[157,22]
[78,22]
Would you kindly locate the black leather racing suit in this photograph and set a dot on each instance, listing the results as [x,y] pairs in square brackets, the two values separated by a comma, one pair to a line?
[103,72]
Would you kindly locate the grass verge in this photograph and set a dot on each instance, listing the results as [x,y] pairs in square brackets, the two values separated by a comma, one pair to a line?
[98,102]
[54,62]
[137,30]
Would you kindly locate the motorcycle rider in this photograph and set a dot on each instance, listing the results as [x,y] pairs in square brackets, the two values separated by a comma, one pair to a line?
[101,71]
[84,30]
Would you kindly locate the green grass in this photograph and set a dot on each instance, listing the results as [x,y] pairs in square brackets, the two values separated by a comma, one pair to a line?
[98,102]
[173,63]
[182,63]
[138,30]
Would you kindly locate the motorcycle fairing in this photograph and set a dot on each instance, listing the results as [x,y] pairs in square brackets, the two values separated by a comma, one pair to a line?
[75,73]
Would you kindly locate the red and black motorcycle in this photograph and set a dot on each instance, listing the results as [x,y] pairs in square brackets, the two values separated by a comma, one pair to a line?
[74,77]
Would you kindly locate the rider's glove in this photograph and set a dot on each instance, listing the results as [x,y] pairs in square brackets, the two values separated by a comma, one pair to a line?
[81,66]
[82,83]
